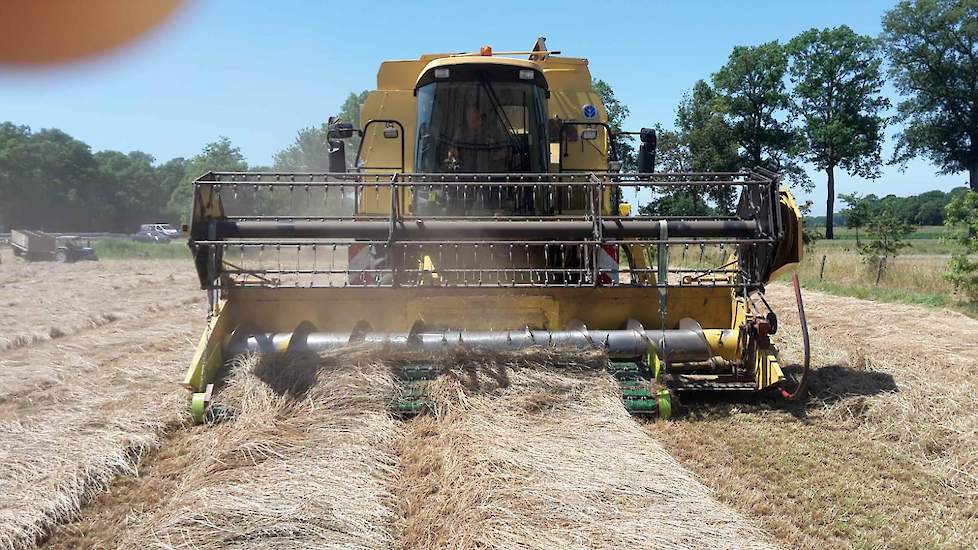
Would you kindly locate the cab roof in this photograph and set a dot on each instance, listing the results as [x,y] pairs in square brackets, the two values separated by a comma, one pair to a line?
[564,73]
[471,61]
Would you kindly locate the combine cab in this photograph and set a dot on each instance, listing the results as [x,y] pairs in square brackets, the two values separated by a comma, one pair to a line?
[486,211]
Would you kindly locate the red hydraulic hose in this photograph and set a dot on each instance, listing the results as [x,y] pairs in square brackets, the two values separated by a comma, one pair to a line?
[802,387]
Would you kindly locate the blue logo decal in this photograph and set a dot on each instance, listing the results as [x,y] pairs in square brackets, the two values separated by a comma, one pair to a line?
[590,112]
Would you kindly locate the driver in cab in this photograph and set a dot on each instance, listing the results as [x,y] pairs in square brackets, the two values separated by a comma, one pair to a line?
[479,144]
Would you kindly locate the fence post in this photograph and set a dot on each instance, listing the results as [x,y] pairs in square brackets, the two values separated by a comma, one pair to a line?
[879,270]
[821,270]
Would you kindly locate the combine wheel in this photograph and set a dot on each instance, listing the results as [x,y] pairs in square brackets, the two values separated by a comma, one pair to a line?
[640,392]
[199,403]
[663,401]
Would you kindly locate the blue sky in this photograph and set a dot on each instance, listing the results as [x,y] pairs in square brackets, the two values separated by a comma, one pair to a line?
[258,71]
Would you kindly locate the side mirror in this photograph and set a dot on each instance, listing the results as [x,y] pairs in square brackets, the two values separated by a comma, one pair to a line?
[335,133]
[340,130]
[646,151]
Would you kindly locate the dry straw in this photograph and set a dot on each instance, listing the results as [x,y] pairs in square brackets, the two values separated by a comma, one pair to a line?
[46,301]
[74,417]
[535,450]
[303,461]
[918,386]
[525,450]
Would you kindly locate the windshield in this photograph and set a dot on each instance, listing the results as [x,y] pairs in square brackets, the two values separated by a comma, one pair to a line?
[481,126]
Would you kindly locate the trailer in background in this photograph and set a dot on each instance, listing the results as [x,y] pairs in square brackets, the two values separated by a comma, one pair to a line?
[39,246]
[33,246]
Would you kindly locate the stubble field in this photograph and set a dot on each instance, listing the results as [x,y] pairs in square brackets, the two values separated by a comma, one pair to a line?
[96,450]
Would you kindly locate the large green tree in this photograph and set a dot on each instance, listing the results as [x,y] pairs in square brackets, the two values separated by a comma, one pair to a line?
[49,180]
[350,109]
[706,133]
[220,155]
[702,142]
[170,174]
[837,83]
[52,181]
[673,155]
[134,192]
[350,112]
[672,152]
[709,139]
[15,191]
[309,152]
[752,95]
[932,46]
[617,113]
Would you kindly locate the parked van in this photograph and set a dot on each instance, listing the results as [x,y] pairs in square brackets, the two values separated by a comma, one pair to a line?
[164,228]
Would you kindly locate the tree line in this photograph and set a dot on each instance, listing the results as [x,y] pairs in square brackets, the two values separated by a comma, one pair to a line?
[816,99]
[928,208]
[52,181]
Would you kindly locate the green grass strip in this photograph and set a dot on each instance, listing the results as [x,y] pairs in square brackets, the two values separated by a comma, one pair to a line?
[883,294]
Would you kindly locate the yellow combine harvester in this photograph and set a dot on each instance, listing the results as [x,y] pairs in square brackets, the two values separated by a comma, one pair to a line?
[486,210]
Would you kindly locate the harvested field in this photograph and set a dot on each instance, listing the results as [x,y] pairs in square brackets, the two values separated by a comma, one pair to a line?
[516,454]
[882,456]
[45,300]
[303,462]
[520,454]
[76,412]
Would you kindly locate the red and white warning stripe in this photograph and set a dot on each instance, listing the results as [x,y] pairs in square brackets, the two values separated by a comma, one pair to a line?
[608,264]
[362,263]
